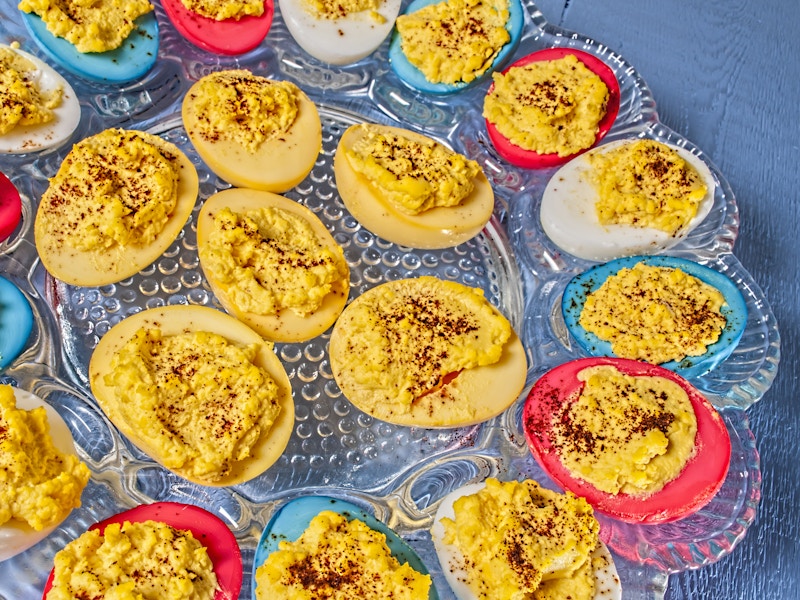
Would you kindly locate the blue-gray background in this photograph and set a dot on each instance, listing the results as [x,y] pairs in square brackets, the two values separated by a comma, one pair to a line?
[726,74]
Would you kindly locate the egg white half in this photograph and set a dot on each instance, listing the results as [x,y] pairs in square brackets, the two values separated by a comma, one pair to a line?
[339,41]
[17,536]
[569,218]
[34,138]
[607,584]
[285,326]
[174,320]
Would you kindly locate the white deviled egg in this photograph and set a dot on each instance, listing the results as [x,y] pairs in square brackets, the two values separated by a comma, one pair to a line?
[493,517]
[627,197]
[339,33]
[35,500]
[40,89]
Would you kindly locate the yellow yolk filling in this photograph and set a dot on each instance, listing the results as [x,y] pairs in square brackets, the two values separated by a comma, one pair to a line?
[97,26]
[519,540]
[195,398]
[548,106]
[338,559]
[21,100]
[413,176]
[338,9]
[270,260]
[456,40]
[245,108]
[626,434]
[655,314]
[646,184]
[115,188]
[39,485]
[220,10]
[136,561]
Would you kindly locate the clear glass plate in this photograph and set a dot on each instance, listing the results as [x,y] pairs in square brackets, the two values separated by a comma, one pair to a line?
[398,473]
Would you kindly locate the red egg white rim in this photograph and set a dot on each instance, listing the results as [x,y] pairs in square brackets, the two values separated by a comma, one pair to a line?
[10,207]
[530,159]
[692,489]
[229,36]
[207,528]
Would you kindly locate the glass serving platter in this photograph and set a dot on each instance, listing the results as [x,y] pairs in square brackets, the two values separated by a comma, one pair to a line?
[397,473]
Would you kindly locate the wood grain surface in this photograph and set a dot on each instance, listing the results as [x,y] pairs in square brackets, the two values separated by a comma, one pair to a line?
[726,75]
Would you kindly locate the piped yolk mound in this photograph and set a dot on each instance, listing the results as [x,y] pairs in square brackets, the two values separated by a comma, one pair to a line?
[245,108]
[196,398]
[646,184]
[454,41]
[550,107]
[519,540]
[145,560]
[415,175]
[338,9]
[625,434]
[270,260]
[252,131]
[39,485]
[220,10]
[22,102]
[655,314]
[97,26]
[117,202]
[338,559]
[415,351]
[113,189]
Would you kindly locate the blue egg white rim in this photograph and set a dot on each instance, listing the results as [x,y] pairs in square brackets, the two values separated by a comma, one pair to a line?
[16,322]
[289,522]
[130,61]
[734,310]
[413,77]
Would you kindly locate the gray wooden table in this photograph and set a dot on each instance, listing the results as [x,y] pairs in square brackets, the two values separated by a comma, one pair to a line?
[727,76]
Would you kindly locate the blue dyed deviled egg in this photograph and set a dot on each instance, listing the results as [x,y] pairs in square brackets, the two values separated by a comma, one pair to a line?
[628,319]
[330,540]
[458,62]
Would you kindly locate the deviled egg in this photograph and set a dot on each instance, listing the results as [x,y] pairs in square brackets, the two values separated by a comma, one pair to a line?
[518,539]
[252,131]
[227,27]
[638,441]
[550,106]
[109,41]
[410,189]
[196,390]
[427,352]
[626,197]
[345,550]
[180,546]
[444,46]
[664,310]
[339,32]
[272,263]
[118,200]
[40,109]
[43,478]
